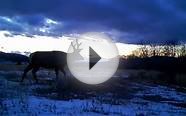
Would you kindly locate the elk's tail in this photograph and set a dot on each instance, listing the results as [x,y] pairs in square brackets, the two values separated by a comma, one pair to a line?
[30,57]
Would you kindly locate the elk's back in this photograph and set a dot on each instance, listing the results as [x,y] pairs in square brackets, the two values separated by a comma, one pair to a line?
[48,59]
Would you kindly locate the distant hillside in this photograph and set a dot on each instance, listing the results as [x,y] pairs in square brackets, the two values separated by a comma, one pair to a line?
[13,57]
[160,63]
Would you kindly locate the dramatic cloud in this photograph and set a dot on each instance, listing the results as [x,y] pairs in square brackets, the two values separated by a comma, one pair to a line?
[124,20]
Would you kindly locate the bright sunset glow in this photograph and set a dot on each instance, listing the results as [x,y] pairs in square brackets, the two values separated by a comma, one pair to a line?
[23,43]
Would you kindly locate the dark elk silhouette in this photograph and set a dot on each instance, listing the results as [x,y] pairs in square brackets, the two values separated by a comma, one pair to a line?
[51,60]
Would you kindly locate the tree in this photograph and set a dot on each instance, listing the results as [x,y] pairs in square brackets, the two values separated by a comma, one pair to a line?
[181,51]
[144,52]
[155,50]
[169,48]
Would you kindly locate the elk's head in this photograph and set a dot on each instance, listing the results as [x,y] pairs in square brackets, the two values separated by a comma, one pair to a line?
[77,50]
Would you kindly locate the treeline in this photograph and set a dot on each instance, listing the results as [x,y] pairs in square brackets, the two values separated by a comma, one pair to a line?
[159,63]
[169,57]
[171,49]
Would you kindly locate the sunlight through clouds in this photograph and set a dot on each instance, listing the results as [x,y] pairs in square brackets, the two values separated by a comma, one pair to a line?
[23,43]
[37,43]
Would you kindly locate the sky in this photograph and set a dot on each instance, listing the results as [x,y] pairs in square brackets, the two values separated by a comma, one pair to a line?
[125,21]
[23,44]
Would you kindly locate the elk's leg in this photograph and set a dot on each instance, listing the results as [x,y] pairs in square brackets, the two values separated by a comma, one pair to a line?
[57,73]
[34,70]
[63,71]
[28,68]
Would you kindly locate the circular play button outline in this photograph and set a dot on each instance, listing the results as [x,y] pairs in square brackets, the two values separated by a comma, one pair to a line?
[95,58]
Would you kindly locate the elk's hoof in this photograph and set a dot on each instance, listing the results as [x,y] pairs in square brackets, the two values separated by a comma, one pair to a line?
[36,82]
[21,81]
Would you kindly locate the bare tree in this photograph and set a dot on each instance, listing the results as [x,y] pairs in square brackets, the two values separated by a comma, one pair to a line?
[181,51]
[169,48]
[155,50]
[144,49]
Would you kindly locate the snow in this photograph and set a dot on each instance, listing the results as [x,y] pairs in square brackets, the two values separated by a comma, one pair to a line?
[16,99]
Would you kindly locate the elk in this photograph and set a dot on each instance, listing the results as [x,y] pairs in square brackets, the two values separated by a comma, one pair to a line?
[55,60]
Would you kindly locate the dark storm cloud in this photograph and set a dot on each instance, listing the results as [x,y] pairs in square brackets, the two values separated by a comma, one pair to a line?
[132,21]
[19,23]
[7,24]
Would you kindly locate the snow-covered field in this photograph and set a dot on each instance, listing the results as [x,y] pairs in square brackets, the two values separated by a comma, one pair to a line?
[124,98]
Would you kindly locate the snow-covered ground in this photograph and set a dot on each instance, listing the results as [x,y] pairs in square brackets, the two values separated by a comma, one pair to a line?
[133,99]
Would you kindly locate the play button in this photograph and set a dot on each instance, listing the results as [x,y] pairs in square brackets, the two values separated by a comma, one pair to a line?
[92,58]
